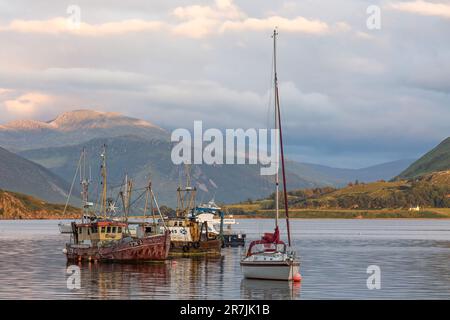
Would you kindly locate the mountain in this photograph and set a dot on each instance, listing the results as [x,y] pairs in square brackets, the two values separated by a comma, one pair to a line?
[74,127]
[141,159]
[19,206]
[437,159]
[339,177]
[141,148]
[21,175]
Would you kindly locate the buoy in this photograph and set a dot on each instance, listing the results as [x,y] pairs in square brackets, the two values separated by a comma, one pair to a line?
[64,250]
[297,277]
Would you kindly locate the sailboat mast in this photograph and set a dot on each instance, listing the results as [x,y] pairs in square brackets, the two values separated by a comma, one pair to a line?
[278,114]
[277,175]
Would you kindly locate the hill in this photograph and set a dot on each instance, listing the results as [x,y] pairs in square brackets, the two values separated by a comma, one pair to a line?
[141,158]
[437,159]
[140,148]
[339,177]
[74,127]
[431,190]
[19,206]
[21,175]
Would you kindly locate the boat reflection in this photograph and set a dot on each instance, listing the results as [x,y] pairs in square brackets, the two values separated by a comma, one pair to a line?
[174,279]
[254,289]
[123,281]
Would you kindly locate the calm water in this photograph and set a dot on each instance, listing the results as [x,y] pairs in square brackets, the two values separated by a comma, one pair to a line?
[414,257]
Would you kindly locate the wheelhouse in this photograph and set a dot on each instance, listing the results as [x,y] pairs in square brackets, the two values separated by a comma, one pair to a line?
[94,232]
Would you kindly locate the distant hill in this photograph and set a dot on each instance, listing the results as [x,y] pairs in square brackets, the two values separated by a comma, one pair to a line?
[74,127]
[437,159]
[338,177]
[21,175]
[19,206]
[141,158]
[140,148]
[430,190]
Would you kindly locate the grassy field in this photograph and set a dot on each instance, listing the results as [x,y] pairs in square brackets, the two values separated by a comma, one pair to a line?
[252,211]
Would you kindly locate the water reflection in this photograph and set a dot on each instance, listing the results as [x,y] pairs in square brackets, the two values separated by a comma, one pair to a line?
[125,281]
[413,256]
[254,289]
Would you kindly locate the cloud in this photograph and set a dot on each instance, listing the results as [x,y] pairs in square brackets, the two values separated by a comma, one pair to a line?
[423,8]
[348,94]
[27,104]
[298,24]
[194,21]
[4,91]
[62,25]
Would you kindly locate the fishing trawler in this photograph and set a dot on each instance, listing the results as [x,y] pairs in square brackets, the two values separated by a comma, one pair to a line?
[190,235]
[208,212]
[270,258]
[102,237]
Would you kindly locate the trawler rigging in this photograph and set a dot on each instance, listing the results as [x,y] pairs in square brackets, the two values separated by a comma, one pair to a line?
[100,237]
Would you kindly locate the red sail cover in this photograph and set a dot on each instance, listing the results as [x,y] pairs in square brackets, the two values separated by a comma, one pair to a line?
[268,240]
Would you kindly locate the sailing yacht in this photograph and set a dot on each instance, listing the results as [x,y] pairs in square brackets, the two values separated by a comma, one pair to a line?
[270,258]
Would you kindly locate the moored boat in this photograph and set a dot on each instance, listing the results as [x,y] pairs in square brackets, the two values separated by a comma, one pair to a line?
[270,258]
[101,237]
[106,240]
[208,212]
[191,236]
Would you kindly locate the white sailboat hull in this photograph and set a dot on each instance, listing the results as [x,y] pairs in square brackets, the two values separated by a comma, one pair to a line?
[270,271]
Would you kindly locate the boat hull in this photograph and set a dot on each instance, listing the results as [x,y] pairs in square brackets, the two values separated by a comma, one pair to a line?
[234,240]
[270,270]
[209,247]
[151,248]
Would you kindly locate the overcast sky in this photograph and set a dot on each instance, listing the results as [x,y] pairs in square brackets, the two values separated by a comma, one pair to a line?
[351,96]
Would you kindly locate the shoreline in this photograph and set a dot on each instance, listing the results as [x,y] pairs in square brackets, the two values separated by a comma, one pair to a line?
[305,214]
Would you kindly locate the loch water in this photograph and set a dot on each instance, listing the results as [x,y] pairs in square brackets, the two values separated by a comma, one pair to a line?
[413,257]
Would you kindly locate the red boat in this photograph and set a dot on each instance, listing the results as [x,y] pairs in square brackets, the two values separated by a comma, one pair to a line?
[111,241]
[99,237]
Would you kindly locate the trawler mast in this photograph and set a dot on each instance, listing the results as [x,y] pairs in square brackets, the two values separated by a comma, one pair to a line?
[186,195]
[104,182]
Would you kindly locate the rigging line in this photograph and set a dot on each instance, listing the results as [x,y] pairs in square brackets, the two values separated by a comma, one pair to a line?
[135,200]
[71,186]
[97,200]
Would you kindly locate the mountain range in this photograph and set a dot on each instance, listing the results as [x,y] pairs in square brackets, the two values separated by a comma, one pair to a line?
[142,150]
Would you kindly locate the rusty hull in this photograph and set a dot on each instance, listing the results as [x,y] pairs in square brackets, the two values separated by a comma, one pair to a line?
[155,247]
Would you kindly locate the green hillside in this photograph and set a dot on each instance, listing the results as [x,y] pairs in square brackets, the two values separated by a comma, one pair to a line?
[430,191]
[437,159]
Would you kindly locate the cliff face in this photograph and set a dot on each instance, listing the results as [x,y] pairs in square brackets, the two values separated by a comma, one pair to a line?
[18,206]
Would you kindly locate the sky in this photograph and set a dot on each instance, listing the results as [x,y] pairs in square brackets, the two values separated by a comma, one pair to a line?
[356,88]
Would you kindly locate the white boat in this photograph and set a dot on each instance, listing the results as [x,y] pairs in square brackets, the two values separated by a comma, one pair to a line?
[65,227]
[269,257]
